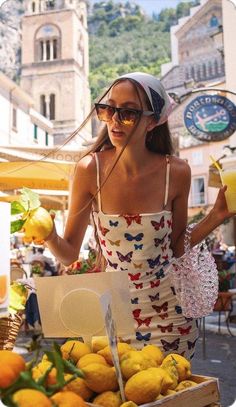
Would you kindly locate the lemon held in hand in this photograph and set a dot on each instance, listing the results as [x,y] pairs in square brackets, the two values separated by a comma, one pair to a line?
[38,224]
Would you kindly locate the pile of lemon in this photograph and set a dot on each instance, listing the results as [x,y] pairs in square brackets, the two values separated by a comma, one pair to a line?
[148,375]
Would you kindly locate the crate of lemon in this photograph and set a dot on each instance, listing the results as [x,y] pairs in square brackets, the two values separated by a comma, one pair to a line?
[78,375]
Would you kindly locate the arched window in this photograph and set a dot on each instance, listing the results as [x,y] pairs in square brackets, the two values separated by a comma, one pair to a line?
[52,107]
[48,106]
[43,108]
[55,49]
[48,43]
[50,4]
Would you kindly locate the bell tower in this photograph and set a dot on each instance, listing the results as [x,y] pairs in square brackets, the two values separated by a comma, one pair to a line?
[55,63]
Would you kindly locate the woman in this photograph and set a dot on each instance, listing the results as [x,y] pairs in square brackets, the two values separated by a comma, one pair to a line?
[137,192]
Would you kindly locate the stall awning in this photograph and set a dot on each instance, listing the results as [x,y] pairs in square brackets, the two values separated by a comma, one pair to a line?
[35,174]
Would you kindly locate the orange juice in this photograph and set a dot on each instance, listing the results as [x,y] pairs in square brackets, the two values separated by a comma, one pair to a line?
[228,177]
[3,288]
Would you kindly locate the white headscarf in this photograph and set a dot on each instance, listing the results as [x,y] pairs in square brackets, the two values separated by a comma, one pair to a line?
[161,102]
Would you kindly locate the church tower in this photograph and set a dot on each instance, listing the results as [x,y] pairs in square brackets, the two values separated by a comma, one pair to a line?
[55,63]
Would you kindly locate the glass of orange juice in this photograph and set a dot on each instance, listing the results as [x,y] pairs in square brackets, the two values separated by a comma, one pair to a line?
[3,288]
[228,177]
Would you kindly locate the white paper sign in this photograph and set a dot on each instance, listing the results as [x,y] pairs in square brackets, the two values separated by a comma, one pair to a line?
[5,212]
[70,305]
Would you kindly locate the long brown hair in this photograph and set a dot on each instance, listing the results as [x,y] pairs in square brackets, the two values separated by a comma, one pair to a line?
[158,141]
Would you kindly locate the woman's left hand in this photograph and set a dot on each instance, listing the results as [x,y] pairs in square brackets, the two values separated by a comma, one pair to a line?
[220,207]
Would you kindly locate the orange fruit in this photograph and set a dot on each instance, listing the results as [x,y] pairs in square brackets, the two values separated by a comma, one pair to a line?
[31,397]
[68,399]
[11,365]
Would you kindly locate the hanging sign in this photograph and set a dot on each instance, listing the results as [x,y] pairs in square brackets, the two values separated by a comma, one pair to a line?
[210,117]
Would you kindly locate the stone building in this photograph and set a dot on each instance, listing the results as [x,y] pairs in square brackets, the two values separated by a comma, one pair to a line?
[199,62]
[55,64]
[194,54]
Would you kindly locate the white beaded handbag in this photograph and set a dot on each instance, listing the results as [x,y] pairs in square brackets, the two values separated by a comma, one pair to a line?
[195,279]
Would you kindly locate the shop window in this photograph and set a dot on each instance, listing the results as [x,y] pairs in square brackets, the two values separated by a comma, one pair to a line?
[198,191]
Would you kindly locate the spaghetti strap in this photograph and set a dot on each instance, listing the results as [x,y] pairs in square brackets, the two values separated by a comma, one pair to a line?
[98,182]
[167,180]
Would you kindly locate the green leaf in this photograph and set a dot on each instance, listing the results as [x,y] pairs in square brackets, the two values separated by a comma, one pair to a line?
[29,199]
[16,225]
[16,208]
[70,368]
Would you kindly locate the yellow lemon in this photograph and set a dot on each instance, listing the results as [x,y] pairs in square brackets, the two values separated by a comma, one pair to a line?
[38,224]
[108,399]
[143,387]
[91,358]
[185,384]
[79,387]
[40,369]
[167,381]
[74,349]
[135,361]
[122,348]
[170,392]
[29,397]
[99,343]
[170,367]
[129,404]
[159,397]
[100,378]
[183,365]
[154,352]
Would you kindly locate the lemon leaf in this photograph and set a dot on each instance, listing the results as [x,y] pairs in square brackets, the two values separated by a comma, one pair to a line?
[29,199]
[16,208]
[16,225]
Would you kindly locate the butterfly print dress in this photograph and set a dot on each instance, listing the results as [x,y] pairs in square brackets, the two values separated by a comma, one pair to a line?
[140,245]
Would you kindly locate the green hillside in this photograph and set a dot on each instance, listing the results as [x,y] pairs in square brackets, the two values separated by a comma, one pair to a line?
[123,39]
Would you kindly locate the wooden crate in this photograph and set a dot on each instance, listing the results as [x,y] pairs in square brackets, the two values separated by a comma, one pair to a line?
[205,394]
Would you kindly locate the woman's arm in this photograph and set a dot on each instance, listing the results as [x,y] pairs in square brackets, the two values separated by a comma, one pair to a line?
[67,249]
[216,216]
[181,178]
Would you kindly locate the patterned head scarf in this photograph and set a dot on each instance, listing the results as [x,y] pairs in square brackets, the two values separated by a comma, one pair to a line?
[161,102]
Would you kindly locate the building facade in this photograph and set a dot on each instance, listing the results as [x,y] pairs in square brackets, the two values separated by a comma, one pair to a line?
[198,62]
[55,63]
[20,123]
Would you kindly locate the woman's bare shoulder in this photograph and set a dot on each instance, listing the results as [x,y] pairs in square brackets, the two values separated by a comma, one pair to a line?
[86,165]
[180,166]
